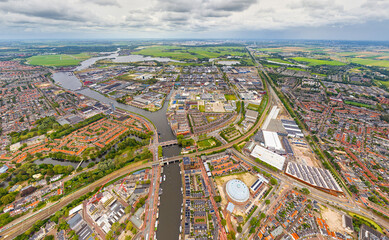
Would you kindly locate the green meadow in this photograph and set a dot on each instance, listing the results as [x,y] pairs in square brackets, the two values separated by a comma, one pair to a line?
[58,60]
[192,53]
[370,62]
[316,62]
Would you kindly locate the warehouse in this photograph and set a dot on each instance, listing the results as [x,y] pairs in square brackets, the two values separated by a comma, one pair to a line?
[272,141]
[291,128]
[268,157]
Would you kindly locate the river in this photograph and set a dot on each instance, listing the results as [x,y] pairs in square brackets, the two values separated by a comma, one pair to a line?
[170,205]
[69,81]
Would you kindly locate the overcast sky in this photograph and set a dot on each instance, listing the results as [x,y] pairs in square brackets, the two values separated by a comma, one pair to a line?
[254,19]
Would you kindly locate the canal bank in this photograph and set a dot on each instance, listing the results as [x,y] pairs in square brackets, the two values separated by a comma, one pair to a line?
[170,205]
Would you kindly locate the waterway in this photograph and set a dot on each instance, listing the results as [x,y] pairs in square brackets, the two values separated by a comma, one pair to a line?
[170,205]
[69,81]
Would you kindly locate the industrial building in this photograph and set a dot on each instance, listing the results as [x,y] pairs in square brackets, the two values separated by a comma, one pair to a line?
[292,128]
[268,157]
[315,177]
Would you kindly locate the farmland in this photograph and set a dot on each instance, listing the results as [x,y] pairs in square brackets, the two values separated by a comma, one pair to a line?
[315,62]
[191,53]
[278,60]
[370,62]
[58,60]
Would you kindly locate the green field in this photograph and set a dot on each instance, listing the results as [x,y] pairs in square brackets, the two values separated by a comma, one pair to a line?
[370,62]
[357,104]
[206,143]
[385,83]
[192,53]
[230,96]
[296,69]
[316,62]
[278,60]
[58,60]
[271,65]
[253,107]
[274,50]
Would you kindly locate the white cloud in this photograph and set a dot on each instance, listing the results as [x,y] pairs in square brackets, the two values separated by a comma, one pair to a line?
[172,16]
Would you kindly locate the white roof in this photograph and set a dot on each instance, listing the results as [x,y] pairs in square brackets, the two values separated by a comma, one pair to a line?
[272,140]
[76,209]
[237,190]
[269,157]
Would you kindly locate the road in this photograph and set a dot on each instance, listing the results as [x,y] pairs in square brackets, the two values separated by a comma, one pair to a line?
[46,212]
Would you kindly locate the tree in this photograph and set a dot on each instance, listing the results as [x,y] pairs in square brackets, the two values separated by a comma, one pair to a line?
[7,199]
[273,181]
[305,191]
[239,229]
[109,236]
[267,201]
[354,189]
[49,237]
[115,227]
[224,222]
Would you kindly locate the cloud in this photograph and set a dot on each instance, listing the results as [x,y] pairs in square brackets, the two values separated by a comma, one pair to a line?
[105,2]
[172,17]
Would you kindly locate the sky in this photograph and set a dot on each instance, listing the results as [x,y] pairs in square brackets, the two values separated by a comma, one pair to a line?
[237,19]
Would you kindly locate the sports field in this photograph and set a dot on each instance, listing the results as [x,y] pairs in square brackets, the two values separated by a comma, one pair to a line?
[58,60]
[316,62]
[192,53]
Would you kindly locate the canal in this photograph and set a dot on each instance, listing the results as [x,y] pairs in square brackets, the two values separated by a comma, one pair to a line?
[170,205]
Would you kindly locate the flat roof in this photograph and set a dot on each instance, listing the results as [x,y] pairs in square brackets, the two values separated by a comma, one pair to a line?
[272,140]
[268,156]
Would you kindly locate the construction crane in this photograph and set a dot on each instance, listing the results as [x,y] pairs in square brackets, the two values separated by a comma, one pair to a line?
[121,185]
[94,198]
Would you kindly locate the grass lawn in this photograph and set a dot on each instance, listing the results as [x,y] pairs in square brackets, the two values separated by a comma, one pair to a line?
[357,104]
[201,108]
[206,143]
[253,107]
[58,60]
[230,96]
[315,62]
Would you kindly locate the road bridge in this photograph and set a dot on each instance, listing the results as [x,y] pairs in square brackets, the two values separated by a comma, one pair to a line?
[168,143]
